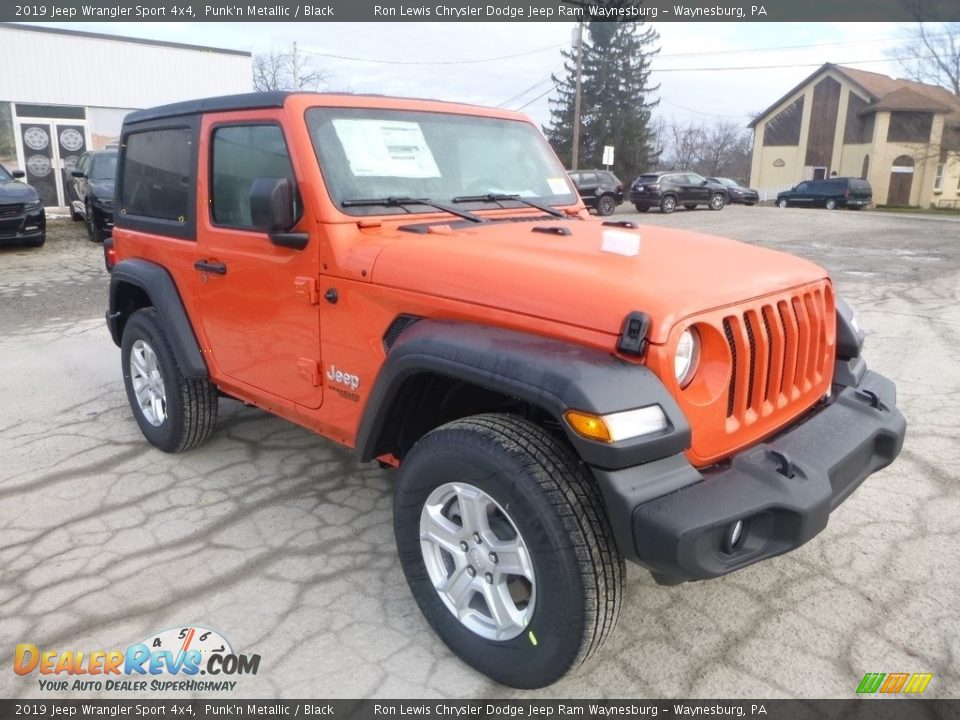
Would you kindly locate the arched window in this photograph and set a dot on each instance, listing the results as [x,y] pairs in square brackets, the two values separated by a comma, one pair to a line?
[904,161]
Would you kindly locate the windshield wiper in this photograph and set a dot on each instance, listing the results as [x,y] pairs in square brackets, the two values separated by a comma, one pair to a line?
[500,197]
[404,201]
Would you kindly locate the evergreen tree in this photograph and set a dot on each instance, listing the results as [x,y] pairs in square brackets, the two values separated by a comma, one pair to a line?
[614,98]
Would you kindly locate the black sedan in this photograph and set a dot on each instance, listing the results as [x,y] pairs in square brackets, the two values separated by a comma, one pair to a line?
[93,180]
[737,193]
[22,218]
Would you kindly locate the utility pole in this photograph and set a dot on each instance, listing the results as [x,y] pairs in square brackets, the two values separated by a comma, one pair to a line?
[575,159]
[296,67]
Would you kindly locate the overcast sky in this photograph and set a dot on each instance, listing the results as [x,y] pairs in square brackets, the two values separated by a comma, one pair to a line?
[382,56]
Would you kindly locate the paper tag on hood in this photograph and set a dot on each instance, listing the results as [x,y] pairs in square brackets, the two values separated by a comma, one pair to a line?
[620,242]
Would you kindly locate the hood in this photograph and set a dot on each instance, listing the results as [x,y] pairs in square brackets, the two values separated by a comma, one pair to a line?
[14,191]
[103,189]
[591,278]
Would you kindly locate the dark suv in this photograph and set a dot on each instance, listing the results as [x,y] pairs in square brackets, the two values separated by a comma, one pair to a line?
[93,181]
[666,190]
[852,193]
[600,190]
[22,218]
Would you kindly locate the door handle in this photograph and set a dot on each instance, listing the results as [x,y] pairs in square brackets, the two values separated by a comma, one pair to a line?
[217,268]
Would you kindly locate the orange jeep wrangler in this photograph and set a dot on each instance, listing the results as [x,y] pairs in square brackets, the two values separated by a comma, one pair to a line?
[419,281]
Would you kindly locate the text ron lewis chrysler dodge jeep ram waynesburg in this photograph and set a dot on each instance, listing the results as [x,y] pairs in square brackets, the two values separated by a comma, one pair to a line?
[418,280]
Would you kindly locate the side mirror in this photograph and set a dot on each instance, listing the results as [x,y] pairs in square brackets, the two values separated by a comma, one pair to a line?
[705,182]
[271,204]
[77,174]
[18,174]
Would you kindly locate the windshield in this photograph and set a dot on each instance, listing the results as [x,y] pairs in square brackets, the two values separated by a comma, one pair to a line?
[727,181]
[103,167]
[4,175]
[367,154]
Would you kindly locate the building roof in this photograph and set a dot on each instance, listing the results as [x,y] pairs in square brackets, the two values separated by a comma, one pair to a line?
[120,38]
[883,92]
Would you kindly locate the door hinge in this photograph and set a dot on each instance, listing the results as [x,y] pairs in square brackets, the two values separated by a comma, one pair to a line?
[307,289]
[309,370]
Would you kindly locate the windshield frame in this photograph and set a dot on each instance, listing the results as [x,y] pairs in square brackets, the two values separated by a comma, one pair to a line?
[570,199]
[6,174]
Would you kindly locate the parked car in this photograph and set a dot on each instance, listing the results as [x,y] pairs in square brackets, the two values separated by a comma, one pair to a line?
[831,193]
[557,395]
[600,190]
[737,193]
[23,220]
[666,190]
[93,181]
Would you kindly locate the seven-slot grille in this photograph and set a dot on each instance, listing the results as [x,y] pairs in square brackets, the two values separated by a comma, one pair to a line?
[778,354]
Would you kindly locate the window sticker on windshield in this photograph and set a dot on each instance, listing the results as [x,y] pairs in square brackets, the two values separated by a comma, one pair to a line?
[558,186]
[386,148]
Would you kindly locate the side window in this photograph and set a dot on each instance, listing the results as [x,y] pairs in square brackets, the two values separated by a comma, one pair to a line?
[241,154]
[156,174]
[803,187]
[81,165]
[590,179]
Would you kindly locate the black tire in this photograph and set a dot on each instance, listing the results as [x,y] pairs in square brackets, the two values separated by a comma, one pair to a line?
[190,405]
[558,511]
[749,204]
[39,241]
[690,206]
[641,208]
[782,203]
[830,204]
[854,207]
[668,204]
[94,233]
[717,202]
[606,205]
[74,215]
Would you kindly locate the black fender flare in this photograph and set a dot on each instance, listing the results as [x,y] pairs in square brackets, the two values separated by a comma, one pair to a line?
[550,374]
[160,288]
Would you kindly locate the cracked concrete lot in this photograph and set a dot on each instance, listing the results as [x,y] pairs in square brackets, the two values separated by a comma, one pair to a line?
[282,541]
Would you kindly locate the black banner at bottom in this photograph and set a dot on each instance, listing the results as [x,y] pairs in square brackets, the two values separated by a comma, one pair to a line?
[872,709]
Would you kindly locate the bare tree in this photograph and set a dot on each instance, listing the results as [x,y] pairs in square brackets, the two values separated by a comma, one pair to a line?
[931,54]
[286,71]
[686,145]
[720,140]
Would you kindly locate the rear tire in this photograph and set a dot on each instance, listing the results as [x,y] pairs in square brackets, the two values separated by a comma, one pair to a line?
[690,206]
[641,208]
[606,205]
[516,485]
[174,413]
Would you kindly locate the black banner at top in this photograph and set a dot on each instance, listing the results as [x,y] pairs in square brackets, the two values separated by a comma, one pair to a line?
[479,10]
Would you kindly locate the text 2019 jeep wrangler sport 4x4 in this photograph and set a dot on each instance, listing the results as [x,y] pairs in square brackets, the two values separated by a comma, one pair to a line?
[418,280]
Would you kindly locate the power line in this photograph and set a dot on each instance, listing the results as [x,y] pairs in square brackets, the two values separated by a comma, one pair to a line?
[700,112]
[790,65]
[547,92]
[474,61]
[838,43]
[521,94]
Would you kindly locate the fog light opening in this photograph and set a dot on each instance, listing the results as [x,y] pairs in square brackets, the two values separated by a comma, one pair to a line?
[733,538]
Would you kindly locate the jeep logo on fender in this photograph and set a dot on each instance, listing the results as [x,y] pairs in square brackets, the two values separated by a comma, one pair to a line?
[338,376]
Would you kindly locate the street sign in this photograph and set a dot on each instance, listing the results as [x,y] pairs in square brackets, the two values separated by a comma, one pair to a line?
[608,155]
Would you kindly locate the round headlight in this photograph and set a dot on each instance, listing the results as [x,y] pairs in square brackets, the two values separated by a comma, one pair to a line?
[688,353]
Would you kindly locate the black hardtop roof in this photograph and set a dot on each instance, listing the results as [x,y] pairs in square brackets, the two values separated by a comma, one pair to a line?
[245,101]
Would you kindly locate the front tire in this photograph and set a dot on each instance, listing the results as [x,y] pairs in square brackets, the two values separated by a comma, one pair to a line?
[506,547]
[174,413]
[782,203]
[690,206]
[641,208]
[606,205]
[830,204]
[94,234]
[668,205]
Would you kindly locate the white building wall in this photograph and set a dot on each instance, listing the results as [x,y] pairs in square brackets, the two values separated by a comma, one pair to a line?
[63,69]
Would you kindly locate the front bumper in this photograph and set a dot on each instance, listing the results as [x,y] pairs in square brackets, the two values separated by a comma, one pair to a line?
[783,490]
[25,227]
